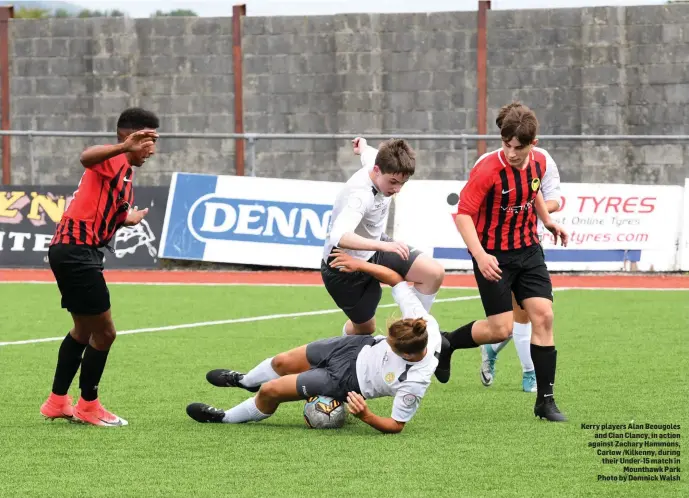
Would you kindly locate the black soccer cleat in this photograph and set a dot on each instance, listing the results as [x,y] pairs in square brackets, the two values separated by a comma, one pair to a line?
[546,408]
[204,413]
[228,378]
[442,371]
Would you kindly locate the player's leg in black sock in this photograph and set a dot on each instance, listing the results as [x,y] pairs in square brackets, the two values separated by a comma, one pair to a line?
[544,360]
[461,338]
[92,367]
[68,361]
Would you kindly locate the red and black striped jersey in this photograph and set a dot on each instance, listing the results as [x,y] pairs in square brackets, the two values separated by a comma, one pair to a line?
[501,201]
[99,206]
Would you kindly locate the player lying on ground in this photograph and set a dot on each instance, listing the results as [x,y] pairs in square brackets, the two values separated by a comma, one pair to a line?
[358,222]
[349,368]
[497,220]
[101,205]
[550,187]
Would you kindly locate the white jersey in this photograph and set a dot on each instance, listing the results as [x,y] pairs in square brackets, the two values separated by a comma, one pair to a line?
[359,208]
[550,185]
[381,372]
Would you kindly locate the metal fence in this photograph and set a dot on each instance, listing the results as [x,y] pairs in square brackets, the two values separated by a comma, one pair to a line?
[252,138]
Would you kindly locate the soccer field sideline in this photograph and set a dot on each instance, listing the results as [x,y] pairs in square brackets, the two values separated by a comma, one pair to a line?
[193,325]
[313,278]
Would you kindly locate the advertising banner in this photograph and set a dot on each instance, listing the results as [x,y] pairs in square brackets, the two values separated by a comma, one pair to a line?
[29,215]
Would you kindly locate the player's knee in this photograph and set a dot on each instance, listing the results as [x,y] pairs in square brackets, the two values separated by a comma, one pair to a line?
[280,363]
[543,319]
[366,328]
[501,331]
[106,334]
[268,390]
[80,334]
[436,274]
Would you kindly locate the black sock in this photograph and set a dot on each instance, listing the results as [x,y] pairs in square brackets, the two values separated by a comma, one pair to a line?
[68,360]
[92,367]
[544,360]
[461,338]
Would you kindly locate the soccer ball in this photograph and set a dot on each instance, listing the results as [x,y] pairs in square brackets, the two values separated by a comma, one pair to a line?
[323,412]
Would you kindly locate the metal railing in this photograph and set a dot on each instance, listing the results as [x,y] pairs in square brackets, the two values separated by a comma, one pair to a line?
[253,138]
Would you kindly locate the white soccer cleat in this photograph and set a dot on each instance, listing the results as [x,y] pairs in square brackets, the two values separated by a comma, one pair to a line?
[488,357]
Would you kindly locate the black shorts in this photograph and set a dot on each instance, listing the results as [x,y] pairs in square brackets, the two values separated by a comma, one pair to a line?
[524,273]
[333,367]
[358,293]
[78,270]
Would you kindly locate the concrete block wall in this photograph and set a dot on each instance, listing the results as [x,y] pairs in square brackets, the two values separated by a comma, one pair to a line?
[601,70]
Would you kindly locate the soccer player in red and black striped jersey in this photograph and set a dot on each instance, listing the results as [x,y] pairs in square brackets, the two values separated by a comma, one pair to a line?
[101,204]
[497,220]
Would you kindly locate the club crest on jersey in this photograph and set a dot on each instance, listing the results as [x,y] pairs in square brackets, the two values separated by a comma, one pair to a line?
[389,377]
[409,399]
[535,183]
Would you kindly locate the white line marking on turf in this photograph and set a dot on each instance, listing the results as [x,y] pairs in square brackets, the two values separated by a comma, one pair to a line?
[227,322]
[238,284]
[623,288]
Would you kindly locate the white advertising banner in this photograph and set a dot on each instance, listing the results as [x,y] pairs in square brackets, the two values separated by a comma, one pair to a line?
[611,227]
[246,220]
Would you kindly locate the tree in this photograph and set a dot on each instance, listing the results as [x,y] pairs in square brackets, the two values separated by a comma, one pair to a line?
[61,13]
[176,13]
[97,13]
[90,13]
[26,13]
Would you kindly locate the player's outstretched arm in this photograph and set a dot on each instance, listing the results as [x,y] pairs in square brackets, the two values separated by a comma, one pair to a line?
[348,264]
[136,141]
[368,154]
[356,405]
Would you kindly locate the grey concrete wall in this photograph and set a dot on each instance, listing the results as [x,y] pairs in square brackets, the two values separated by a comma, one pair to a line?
[596,70]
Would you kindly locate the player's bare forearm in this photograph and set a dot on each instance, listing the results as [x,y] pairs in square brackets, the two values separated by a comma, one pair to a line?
[542,209]
[381,273]
[99,153]
[552,206]
[385,425]
[467,230]
[351,240]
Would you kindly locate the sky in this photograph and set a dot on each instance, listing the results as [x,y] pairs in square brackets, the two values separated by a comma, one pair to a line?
[220,8]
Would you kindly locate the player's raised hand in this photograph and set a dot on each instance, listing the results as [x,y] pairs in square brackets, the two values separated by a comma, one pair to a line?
[558,233]
[140,140]
[356,405]
[135,216]
[344,262]
[489,267]
[359,144]
[397,247]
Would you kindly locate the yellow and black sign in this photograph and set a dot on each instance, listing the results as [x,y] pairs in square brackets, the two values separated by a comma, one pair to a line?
[30,213]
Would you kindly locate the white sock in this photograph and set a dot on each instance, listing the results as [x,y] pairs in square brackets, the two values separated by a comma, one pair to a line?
[522,341]
[426,299]
[498,347]
[344,329]
[260,374]
[245,411]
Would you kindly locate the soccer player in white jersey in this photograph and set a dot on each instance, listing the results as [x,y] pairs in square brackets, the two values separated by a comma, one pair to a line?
[550,187]
[349,368]
[357,227]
